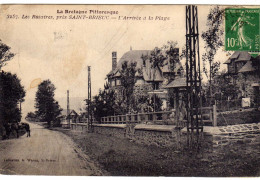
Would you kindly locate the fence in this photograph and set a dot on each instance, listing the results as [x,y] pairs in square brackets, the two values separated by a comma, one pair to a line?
[137,118]
[209,116]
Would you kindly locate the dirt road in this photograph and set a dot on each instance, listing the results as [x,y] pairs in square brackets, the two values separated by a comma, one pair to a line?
[46,152]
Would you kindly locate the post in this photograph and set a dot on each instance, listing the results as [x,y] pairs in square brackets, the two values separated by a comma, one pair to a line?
[68,102]
[146,117]
[214,115]
[154,116]
[138,117]
[76,122]
[68,107]
[126,118]
[177,108]
[89,100]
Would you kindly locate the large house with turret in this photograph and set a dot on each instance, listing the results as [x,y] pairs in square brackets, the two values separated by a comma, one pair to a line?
[148,80]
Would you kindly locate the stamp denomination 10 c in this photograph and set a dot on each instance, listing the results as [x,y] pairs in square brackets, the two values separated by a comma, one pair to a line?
[242,29]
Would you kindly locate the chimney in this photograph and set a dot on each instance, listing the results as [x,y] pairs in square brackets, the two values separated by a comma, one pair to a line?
[114,60]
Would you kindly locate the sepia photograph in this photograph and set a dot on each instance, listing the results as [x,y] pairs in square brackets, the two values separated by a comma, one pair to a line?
[130,90]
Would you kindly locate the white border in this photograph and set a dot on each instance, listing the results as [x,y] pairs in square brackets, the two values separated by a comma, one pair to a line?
[222,2]
[205,2]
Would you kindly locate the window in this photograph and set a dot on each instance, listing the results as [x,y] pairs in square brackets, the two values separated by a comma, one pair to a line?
[112,83]
[156,85]
[118,82]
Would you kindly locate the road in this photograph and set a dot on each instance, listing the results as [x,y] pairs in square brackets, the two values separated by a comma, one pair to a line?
[46,152]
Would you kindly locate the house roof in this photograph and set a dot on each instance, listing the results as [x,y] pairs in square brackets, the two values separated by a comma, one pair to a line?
[73,112]
[152,74]
[178,82]
[247,67]
[64,112]
[117,74]
[238,56]
[227,61]
[149,74]
[243,56]
[133,56]
[111,73]
[234,55]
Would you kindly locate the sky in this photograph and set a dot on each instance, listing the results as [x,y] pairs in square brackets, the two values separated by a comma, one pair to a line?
[61,50]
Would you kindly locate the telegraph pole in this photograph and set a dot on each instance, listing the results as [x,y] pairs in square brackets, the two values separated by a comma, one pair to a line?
[68,106]
[89,98]
[68,103]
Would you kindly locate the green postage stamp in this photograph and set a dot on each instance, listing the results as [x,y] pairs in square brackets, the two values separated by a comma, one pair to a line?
[242,29]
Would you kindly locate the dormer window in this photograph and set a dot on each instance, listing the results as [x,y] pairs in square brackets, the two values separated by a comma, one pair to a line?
[113,83]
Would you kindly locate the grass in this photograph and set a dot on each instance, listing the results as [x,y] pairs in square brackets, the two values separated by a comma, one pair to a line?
[121,157]
[239,118]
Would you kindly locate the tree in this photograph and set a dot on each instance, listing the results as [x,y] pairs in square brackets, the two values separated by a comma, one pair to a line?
[11,93]
[31,116]
[48,110]
[213,38]
[173,57]
[104,104]
[224,89]
[5,54]
[128,81]
[146,103]
[157,58]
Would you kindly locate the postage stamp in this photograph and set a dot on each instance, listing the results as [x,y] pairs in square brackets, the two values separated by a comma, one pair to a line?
[242,29]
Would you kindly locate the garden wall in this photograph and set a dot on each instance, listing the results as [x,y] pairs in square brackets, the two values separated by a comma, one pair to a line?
[118,130]
[241,133]
[169,136]
[159,135]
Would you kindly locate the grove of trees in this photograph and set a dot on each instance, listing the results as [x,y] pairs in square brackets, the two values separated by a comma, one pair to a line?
[12,93]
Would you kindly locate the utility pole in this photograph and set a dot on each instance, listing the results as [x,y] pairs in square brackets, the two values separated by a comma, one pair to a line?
[89,98]
[68,106]
[68,103]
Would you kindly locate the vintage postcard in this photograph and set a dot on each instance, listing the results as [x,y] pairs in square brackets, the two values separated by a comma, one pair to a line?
[130,90]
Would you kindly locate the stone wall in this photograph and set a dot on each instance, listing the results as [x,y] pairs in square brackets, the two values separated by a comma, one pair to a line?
[118,130]
[158,135]
[226,135]
[168,135]
[162,135]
